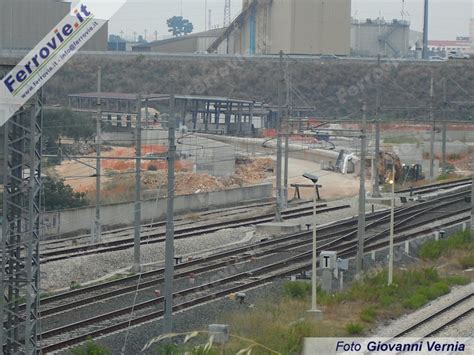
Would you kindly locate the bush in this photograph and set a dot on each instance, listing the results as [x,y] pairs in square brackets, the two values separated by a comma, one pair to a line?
[431,250]
[91,348]
[442,177]
[354,328]
[467,261]
[58,195]
[295,335]
[457,280]
[434,249]
[297,289]
[415,301]
[368,315]
[434,291]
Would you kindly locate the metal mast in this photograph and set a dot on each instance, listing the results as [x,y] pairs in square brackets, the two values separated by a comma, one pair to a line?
[20,272]
[425,30]
[227,18]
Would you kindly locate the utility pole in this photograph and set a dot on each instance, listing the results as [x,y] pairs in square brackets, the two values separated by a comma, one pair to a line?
[376,182]
[138,186]
[361,221]
[445,126]
[392,225]
[209,24]
[98,228]
[425,30]
[169,247]
[279,152]
[432,133]
[287,133]
[205,15]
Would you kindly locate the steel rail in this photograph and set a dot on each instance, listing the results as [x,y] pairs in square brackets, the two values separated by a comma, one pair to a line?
[206,298]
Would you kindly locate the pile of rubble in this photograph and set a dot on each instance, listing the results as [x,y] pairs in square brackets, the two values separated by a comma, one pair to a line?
[255,170]
[189,183]
[249,171]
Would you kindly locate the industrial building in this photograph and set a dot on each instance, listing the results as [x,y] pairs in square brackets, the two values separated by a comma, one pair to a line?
[373,37]
[442,46]
[268,26]
[293,26]
[192,43]
[23,23]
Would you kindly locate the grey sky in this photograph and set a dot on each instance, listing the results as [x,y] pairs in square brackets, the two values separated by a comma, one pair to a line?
[449,18]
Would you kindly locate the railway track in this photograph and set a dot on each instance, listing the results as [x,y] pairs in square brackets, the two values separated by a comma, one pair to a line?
[439,320]
[187,232]
[150,236]
[219,289]
[346,227]
[180,220]
[143,311]
[435,187]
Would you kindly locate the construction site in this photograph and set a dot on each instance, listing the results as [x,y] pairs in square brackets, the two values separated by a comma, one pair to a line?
[273,195]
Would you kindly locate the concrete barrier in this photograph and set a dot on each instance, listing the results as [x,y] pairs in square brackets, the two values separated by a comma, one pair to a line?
[254,145]
[80,220]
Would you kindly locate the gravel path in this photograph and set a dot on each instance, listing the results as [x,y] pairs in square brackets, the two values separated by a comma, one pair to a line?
[59,274]
[410,319]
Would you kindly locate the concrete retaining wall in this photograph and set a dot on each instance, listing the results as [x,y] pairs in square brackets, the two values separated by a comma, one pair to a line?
[80,220]
[254,145]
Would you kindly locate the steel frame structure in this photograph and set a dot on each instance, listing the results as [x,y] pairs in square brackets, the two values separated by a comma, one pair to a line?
[20,273]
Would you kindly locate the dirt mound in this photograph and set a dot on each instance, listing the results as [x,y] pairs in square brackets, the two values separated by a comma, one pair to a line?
[254,170]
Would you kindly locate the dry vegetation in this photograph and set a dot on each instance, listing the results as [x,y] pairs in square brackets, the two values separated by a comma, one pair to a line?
[282,324]
[405,84]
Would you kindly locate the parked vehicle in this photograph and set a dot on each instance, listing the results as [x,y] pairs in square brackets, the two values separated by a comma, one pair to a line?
[329,57]
[458,55]
[437,58]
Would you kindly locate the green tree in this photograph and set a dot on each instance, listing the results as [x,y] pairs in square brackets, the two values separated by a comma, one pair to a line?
[66,123]
[58,195]
[179,26]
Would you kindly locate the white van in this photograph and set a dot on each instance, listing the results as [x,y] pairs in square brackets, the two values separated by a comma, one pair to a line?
[458,55]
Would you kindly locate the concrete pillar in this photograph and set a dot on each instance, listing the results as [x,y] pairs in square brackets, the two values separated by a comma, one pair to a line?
[195,105]
[326,280]
[207,116]
[218,114]
[185,109]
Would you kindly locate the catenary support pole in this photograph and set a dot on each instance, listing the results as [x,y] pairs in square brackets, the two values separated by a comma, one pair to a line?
[169,247]
[432,132]
[287,137]
[313,264]
[98,227]
[392,226]
[375,178]
[445,128]
[361,221]
[138,187]
[425,30]
[279,194]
